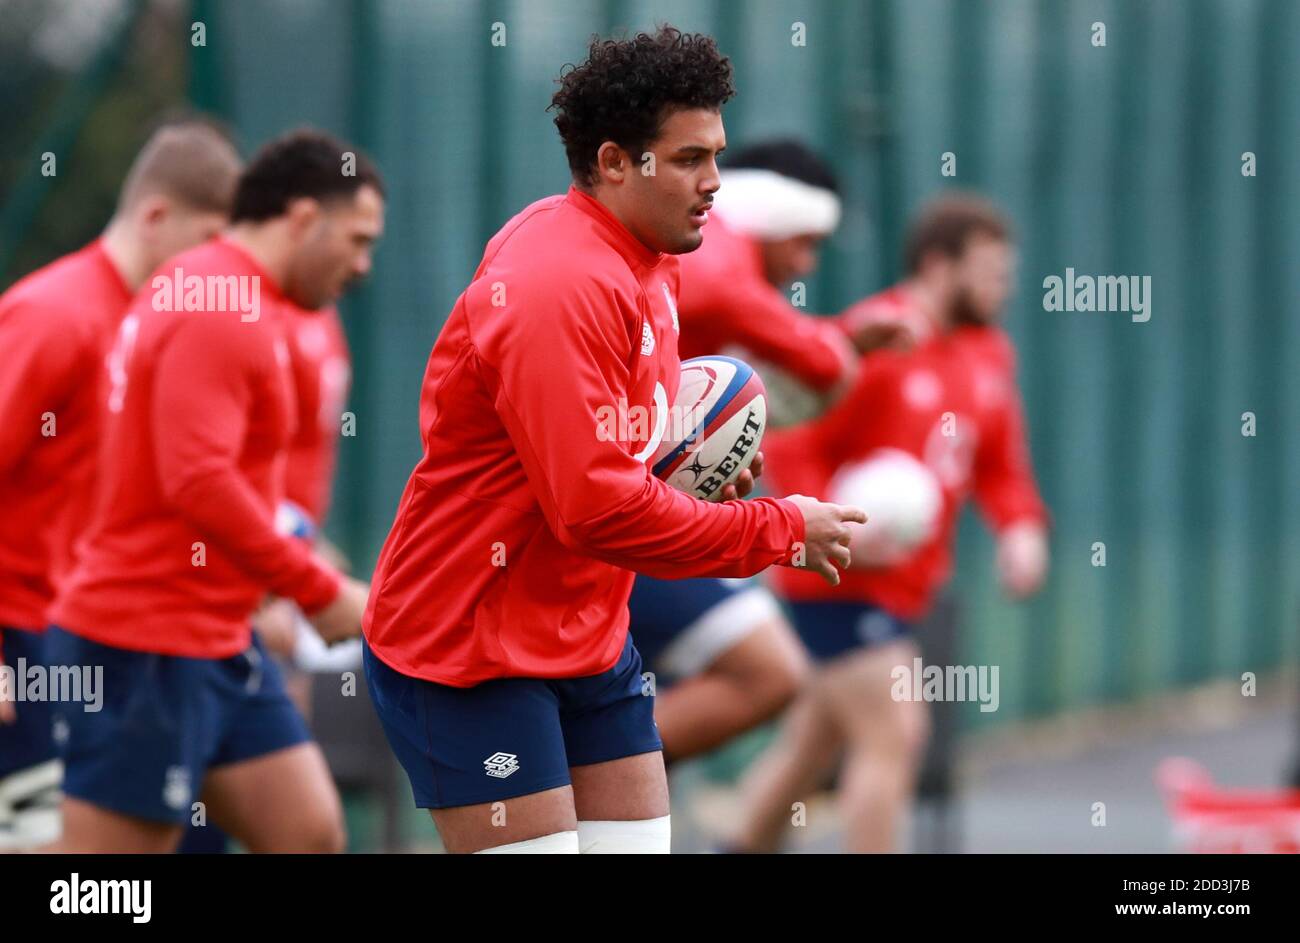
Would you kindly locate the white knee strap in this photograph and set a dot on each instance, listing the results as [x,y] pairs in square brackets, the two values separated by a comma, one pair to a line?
[558,843]
[639,837]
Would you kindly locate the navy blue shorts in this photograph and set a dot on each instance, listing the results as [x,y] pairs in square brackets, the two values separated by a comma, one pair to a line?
[831,629]
[29,741]
[682,626]
[510,737]
[164,721]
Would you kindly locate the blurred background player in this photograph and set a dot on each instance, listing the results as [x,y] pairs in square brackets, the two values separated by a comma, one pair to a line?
[321,369]
[777,203]
[724,654]
[497,651]
[183,544]
[952,404]
[56,326]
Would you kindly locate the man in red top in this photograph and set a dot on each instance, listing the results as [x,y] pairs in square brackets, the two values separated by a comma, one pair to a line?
[320,367]
[183,546]
[497,652]
[951,403]
[56,326]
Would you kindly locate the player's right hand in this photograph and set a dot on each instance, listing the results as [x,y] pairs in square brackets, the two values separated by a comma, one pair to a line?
[826,536]
[341,619]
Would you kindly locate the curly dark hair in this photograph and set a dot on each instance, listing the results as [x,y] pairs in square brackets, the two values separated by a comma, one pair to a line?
[302,162]
[621,92]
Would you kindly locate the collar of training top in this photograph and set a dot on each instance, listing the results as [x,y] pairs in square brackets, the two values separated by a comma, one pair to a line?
[225,242]
[768,205]
[628,245]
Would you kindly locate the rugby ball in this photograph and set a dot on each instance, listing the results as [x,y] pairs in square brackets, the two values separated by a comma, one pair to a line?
[714,428]
[903,501]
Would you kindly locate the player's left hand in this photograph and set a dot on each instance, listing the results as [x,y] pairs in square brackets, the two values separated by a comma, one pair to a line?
[745,483]
[1022,559]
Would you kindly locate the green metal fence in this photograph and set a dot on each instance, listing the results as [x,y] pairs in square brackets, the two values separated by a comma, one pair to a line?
[1117,159]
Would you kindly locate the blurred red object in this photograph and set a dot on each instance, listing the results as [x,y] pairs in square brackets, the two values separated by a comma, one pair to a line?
[1208,819]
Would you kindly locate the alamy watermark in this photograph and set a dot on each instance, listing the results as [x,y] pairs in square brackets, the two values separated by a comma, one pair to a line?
[66,684]
[921,682]
[1131,293]
[78,895]
[181,292]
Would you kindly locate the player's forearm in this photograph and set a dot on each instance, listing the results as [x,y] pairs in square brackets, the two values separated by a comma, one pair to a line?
[811,350]
[817,364]
[1007,494]
[669,535]
[1006,502]
[227,513]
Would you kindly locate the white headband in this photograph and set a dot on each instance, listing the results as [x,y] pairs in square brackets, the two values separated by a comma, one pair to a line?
[768,205]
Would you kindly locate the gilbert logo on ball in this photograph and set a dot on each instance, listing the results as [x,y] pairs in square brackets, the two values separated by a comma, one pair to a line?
[717,425]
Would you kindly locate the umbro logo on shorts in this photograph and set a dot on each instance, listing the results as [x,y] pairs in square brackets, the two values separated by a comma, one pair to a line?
[176,787]
[501,765]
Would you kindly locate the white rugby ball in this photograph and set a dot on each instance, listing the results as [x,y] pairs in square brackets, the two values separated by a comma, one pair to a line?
[714,428]
[903,501]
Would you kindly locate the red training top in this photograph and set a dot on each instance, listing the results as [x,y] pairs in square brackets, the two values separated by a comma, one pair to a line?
[182,544]
[55,327]
[545,394]
[318,357]
[902,400]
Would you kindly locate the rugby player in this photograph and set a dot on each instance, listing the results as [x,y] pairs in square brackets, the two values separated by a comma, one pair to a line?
[951,402]
[498,655]
[56,326]
[182,545]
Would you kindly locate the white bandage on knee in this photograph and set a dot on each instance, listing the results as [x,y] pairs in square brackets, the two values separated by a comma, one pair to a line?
[557,843]
[638,837]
